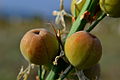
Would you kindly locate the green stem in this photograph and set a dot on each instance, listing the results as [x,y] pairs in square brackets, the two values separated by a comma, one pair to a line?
[96,22]
[93,5]
[54,73]
[43,73]
[64,74]
[80,23]
[40,72]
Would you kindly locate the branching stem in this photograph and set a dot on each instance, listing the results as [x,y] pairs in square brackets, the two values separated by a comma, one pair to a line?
[96,22]
[64,74]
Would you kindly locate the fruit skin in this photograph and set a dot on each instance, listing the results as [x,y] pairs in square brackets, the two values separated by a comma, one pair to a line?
[93,73]
[79,6]
[39,46]
[83,49]
[111,7]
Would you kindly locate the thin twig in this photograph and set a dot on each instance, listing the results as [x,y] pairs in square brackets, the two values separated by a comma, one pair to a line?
[96,22]
[40,72]
[64,74]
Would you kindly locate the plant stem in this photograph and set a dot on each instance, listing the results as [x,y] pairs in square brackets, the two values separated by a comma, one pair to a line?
[64,74]
[40,72]
[43,73]
[54,73]
[93,5]
[96,22]
[80,22]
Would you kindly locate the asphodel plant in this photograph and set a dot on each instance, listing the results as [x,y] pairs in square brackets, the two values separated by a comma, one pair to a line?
[78,53]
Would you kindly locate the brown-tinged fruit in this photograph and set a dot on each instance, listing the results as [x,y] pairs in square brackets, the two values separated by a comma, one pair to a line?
[39,46]
[93,73]
[83,50]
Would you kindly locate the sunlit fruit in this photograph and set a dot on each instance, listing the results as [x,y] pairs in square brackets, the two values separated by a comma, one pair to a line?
[83,49]
[39,46]
[111,7]
[76,6]
[93,73]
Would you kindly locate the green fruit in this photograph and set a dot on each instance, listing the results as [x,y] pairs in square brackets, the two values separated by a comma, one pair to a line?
[83,49]
[39,46]
[111,7]
[75,11]
[93,73]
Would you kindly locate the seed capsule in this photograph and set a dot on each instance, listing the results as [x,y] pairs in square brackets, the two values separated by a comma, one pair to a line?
[39,46]
[83,49]
[111,7]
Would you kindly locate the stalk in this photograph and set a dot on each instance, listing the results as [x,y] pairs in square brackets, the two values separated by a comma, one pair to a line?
[56,70]
[40,72]
[80,23]
[64,74]
[96,22]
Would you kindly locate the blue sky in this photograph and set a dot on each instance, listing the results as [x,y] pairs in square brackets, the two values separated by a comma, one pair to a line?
[44,7]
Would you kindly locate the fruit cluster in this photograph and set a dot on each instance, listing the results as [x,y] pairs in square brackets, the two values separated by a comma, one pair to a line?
[82,50]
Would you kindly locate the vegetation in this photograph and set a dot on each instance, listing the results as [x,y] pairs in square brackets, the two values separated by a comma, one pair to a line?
[11,32]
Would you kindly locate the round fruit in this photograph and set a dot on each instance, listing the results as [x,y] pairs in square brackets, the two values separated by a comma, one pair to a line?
[83,49]
[76,10]
[93,73]
[39,46]
[111,7]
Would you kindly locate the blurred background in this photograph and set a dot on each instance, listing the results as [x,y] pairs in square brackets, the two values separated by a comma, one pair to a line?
[19,16]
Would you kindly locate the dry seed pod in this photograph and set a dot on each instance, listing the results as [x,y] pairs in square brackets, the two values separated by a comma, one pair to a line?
[83,49]
[93,73]
[111,7]
[39,46]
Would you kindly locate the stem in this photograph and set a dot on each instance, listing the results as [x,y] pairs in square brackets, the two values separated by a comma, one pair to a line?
[93,5]
[40,72]
[54,73]
[81,75]
[96,22]
[43,73]
[80,23]
[64,74]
